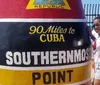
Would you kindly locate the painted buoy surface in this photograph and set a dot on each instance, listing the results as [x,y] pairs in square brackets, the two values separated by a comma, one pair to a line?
[43,42]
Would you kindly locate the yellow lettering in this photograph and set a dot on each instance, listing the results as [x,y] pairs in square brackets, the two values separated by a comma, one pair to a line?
[42,38]
[40,29]
[32,30]
[49,37]
[55,37]
[52,38]
[61,38]
[32,5]
[50,29]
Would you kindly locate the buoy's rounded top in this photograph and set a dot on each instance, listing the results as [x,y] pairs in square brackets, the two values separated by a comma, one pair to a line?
[41,9]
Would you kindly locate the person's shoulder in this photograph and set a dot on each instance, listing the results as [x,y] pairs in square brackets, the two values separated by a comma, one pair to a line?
[95,34]
[93,31]
[97,44]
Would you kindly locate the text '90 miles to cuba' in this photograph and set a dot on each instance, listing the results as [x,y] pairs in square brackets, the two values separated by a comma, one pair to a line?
[52,33]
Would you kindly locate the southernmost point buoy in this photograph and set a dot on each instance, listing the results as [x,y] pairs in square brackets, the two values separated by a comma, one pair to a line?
[43,42]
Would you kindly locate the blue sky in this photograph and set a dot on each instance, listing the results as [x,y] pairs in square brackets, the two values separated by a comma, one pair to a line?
[91,10]
[90,1]
[93,7]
